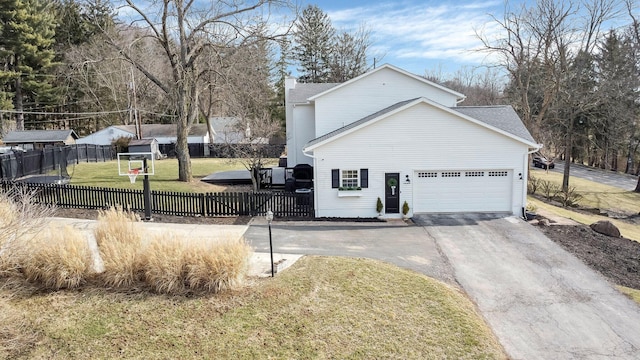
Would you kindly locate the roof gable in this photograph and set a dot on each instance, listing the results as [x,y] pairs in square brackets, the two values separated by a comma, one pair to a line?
[384,68]
[39,136]
[500,119]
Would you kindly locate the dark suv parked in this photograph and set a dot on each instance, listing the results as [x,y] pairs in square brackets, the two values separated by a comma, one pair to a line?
[542,162]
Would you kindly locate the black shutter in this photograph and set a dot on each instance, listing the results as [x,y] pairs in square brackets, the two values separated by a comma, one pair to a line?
[335,178]
[364,178]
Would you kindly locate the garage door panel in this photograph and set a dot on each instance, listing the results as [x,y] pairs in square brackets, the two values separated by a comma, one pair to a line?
[463,191]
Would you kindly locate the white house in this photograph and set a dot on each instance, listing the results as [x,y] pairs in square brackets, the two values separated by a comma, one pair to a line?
[393,135]
[164,133]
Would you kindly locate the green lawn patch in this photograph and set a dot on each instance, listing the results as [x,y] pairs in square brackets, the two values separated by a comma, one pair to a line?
[105,174]
[594,196]
[321,307]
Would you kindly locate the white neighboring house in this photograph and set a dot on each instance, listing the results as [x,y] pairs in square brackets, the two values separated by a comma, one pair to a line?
[397,136]
[163,133]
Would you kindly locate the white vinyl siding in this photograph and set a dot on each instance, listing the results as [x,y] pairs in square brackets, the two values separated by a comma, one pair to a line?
[369,95]
[419,141]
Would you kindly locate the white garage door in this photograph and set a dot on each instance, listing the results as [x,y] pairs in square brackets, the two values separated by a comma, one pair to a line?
[463,191]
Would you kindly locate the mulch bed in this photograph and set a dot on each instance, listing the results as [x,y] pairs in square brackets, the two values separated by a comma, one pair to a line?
[618,259]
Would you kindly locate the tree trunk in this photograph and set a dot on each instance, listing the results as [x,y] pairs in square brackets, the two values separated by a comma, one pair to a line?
[18,99]
[637,186]
[182,130]
[567,158]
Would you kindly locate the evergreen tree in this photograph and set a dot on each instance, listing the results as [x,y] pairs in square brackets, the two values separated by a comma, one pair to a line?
[26,52]
[314,37]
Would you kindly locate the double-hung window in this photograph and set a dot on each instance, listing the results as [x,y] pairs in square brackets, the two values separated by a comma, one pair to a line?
[349,179]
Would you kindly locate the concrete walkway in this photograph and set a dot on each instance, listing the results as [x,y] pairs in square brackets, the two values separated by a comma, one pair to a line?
[260,264]
[541,301]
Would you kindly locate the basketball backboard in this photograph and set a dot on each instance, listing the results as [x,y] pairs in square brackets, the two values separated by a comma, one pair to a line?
[129,163]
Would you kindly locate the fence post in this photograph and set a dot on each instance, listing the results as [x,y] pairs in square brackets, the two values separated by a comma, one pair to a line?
[203,210]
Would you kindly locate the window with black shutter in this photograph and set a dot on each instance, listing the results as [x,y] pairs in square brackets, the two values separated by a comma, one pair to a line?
[335,178]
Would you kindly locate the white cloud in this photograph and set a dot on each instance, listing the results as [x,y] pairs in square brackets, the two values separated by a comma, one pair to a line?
[443,32]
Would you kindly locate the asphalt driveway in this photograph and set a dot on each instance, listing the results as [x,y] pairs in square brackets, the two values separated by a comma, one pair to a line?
[541,301]
[406,246]
[607,177]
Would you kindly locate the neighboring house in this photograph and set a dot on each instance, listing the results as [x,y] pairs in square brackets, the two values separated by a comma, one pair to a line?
[397,136]
[226,130]
[163,133]
[39,139]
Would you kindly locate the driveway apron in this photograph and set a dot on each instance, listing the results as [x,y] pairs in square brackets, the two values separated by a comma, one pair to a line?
[406,246]
[541,301]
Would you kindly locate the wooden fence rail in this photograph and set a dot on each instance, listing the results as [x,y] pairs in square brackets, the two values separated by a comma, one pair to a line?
[283,204]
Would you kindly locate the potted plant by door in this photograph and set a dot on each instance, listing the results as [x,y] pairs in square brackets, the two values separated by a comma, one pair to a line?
[379,207]
[405,210]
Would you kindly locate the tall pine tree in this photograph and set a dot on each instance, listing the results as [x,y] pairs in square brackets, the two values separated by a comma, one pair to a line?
[26,53]
[314,41]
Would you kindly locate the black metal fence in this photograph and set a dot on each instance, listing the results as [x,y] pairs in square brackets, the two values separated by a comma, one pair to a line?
[283,204]
[18,164]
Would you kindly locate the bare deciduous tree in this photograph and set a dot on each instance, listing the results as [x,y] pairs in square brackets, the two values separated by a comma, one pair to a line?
[184,29]
[539,50]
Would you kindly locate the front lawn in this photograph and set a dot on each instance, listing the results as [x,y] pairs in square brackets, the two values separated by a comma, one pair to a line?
[321,307]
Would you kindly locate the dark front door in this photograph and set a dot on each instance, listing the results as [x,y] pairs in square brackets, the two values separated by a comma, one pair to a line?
[392,193]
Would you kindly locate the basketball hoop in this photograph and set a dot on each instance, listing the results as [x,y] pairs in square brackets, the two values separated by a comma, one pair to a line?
[133,173]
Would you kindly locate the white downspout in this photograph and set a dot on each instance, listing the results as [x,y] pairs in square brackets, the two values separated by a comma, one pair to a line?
[315,193]
[525,178]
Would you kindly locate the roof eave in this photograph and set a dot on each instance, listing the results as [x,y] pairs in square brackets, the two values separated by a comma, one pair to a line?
[530,144]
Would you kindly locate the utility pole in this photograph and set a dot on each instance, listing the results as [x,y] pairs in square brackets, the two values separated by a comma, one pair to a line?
[133,108]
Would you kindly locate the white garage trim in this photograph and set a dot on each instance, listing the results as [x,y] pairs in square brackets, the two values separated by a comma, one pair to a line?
[472,190]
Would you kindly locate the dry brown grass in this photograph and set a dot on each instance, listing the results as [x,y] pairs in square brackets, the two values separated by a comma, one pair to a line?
[57,259]
[16,334]
[119,241]
[174,266]
[21,219]
[320,308]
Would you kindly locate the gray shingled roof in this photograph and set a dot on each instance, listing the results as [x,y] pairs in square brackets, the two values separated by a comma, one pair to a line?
[38,136]
[164,130]
[502,117]
[303,91]
[138,142]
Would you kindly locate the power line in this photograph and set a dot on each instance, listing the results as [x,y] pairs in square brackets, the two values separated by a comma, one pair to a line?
[63,114]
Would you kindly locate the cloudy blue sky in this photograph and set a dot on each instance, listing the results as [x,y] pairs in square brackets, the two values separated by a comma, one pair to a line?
[419,35]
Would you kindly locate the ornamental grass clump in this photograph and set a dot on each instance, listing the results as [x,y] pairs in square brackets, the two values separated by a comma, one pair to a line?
[119,241]
[21,220]
[174,266]
[214,267]
[58,258]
